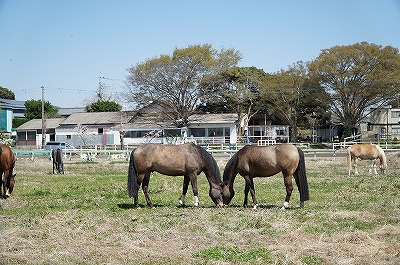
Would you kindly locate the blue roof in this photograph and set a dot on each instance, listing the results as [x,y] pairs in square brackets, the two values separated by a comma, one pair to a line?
[11,104]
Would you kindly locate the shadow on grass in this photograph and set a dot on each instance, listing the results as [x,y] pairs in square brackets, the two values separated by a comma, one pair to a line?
[126,206]
[263,206]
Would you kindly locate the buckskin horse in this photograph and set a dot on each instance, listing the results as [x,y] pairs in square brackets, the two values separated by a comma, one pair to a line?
[58,165]
[7,163]
[265,161]
[366,152]
[188,160]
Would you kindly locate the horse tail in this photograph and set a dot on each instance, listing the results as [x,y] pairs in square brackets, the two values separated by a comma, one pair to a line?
[132,178]
[300,172]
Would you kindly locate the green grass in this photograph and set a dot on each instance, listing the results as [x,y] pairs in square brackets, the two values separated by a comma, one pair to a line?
[85,216]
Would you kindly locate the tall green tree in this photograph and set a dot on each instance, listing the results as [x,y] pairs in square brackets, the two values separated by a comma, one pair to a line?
[358,77]
[285,91]
[5,93]
[236,90]
[103,106]
[173,81]
[33,109]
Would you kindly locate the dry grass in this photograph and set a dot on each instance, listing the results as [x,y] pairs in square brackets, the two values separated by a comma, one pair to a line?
[86,217]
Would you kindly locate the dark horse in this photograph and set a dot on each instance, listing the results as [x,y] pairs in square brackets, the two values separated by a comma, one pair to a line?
[7,162]
[265,161]
[188,160]
[58,164]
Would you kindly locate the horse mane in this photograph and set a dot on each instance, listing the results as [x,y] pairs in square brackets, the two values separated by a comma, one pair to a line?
[230,167]
[382,157]
[210,163]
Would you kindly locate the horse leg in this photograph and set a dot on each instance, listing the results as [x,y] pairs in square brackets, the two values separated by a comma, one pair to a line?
[246,193]
[3,184]
[289,189]
[145,188]
[250,187]
[355,166]
[374,167]
[186,181]
[193,181]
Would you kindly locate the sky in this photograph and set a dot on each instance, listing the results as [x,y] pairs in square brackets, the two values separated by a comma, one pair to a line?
[70,46]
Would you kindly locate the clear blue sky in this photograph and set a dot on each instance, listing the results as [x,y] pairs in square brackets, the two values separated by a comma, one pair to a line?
[67,45]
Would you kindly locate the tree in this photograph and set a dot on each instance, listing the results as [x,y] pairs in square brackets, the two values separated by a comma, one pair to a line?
[5,93]
[358,77]
[285,91]
[33,109]
[173,82]
[103,106]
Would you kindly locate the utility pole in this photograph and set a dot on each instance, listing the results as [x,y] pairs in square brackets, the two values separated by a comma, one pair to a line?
[43,121]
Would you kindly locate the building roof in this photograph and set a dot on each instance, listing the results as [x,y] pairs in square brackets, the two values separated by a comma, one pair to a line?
[12,104]
[223,118]
[141,122]
[36,124]
[90,118]
[68,111]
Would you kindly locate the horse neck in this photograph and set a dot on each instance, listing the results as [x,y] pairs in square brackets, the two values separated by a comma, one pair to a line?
[210,168]
[212,173]
[230,171]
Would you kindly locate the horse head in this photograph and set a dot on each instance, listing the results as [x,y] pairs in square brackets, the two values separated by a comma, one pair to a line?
[227,192]
[216,195]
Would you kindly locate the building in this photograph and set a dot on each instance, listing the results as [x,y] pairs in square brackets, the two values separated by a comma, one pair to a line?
[10,109]
[383,124]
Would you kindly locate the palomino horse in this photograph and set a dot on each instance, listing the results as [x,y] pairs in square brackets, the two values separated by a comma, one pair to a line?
[265,161]
[188,160]
[58,164]
[366,152]
[7,162]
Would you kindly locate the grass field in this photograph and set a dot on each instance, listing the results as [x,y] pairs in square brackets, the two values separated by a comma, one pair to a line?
[86,217]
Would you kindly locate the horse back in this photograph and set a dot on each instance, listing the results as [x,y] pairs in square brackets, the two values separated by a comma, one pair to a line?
[7,158]
[265,161]
[173,160]
[364,151]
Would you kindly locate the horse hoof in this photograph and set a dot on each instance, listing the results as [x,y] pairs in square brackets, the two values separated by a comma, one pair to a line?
[301,204]
[255,206]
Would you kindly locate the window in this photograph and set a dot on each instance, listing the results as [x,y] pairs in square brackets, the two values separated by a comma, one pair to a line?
[100,130]
[395,114]
[396,131]
[198,132]
[137,134]
[68,136]
[214,132]
[172,132]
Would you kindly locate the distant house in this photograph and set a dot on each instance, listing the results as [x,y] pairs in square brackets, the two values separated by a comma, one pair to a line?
[10,109]
[108,128]
[202,128]
[383,124]
[30,133]
[92,128]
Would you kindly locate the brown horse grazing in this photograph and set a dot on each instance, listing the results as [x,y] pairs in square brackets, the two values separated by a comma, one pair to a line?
[265,161]
[58,164]
[7,162]
[188,160]
[366,152]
